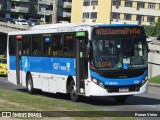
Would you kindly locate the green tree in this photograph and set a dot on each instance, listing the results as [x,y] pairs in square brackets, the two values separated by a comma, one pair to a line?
[157,27]
[153,30]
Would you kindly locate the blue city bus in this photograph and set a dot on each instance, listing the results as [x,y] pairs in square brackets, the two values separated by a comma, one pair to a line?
[78,59]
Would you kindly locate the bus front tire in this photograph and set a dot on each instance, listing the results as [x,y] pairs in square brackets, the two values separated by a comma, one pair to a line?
[30,88]
[73,94]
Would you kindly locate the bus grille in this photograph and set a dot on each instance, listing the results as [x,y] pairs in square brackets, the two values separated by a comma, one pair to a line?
[115,89]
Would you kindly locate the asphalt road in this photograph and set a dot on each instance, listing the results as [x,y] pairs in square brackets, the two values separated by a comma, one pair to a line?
[145,102]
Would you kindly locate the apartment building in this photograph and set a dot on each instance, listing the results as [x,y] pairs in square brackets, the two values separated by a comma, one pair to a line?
[26,8]
[64,10]
[39,9]
[145,12]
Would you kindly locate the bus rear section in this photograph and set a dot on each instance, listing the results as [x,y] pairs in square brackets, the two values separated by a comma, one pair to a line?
[53,62]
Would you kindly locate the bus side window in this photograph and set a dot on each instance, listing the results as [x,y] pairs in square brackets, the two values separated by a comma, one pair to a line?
[36,45]
[26,45]
[12,45]
[46,46]
[69,45]
[57,44]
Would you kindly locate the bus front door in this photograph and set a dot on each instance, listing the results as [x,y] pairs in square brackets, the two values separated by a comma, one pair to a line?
[81,61]
[18,58]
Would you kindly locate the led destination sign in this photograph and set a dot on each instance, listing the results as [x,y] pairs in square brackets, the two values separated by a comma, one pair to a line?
[117,31]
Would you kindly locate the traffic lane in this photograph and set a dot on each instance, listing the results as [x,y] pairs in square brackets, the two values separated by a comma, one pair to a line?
[145,102]
[5,84]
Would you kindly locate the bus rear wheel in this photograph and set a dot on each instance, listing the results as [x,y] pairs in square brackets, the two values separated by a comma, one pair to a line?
[29,82]
[73,94]
[121,99]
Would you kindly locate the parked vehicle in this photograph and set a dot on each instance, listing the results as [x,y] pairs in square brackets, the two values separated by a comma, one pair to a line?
[8,20]
[3,66]
[149,40]
[41,22]
[14,21]
[21,22]
[33,22]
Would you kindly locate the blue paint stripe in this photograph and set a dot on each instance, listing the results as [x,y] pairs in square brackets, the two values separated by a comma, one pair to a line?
[119,82]
[50,65]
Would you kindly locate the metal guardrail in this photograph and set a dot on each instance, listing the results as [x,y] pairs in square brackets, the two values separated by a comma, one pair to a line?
[13,27]
[154,48]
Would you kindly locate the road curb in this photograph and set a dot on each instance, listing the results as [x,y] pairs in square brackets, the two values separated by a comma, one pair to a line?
[154,84]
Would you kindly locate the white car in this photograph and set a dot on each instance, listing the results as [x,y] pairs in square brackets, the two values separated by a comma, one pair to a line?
[21,22]
[149,40]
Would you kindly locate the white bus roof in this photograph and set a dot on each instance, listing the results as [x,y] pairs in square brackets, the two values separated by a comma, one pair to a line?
[61,25]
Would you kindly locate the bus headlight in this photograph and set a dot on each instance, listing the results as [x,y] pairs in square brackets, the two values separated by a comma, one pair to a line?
[145,80]
[95,80]
[98,82]
[101,84]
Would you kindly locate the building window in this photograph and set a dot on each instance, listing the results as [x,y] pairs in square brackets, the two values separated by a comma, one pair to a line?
[115,15]
[94,2]
[86,15]
[151,6]
[127,16]
[140,18]
[86,3]
[93,15]
[140,5]
[128,4]
[150,19]
[116,3]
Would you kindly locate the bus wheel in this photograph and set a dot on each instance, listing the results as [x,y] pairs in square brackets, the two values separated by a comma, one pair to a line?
[73,94]
[29,81]
[121,99]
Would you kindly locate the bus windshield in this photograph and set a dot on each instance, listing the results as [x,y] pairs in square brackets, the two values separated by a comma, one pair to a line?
[125,53]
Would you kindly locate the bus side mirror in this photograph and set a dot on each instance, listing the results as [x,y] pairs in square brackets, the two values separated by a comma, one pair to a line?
[90,54]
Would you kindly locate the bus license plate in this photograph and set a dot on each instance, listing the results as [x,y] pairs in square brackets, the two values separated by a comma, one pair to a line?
[123,90]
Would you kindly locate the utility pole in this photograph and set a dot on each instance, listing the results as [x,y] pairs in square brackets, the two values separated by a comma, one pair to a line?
[55,8]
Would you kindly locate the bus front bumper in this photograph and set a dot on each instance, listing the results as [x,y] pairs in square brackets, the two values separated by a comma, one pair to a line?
[92,89]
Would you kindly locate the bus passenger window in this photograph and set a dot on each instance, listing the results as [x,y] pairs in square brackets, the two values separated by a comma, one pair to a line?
[26,45]
[69,45]
[36,45]
[57,45]
[12,45]
[46,46]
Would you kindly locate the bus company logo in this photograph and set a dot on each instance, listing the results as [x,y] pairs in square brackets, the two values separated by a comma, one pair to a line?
[55,66]
[68,66]
[136,82]
[113,83]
